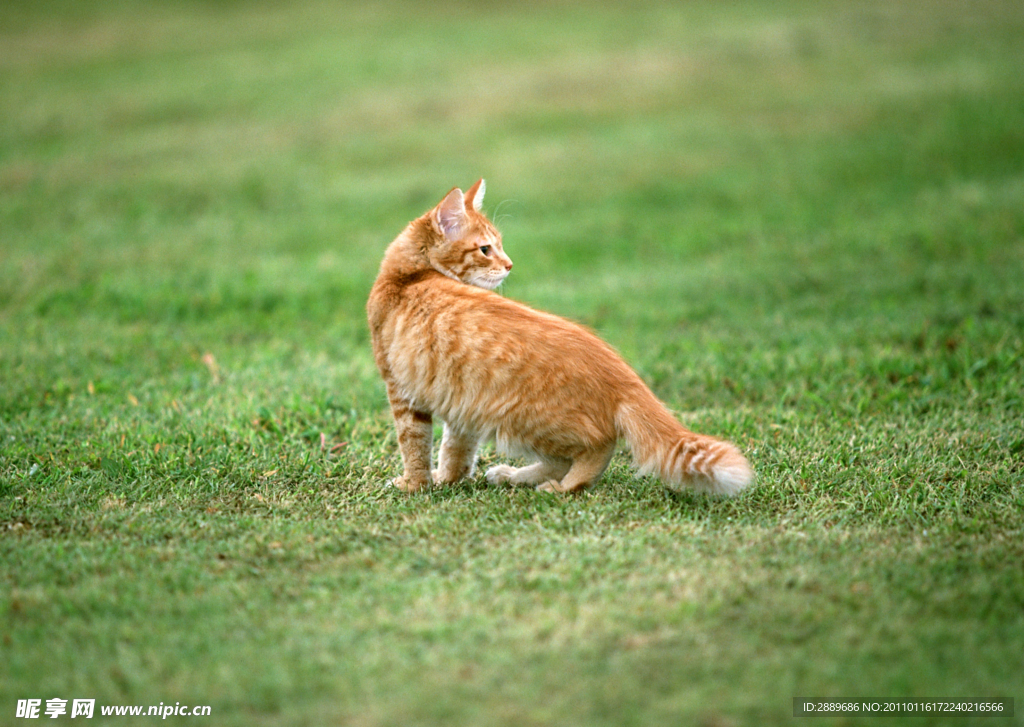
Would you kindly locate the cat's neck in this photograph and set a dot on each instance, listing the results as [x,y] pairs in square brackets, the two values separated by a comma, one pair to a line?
[406,257]
[405,264]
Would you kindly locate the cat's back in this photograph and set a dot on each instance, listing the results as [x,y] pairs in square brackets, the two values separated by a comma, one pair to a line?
[435,307]
[453,338]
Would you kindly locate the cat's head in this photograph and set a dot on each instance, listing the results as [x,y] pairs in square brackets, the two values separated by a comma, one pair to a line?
[465,245]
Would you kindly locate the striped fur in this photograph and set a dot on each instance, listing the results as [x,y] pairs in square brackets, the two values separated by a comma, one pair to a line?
[492,368]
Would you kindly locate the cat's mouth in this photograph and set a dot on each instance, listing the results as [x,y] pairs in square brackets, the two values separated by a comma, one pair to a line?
[488,281]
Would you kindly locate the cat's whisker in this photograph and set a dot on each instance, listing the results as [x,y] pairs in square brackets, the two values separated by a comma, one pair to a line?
[498,217]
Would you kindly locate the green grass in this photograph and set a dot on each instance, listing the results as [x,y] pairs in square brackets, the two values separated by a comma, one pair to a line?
[803,223]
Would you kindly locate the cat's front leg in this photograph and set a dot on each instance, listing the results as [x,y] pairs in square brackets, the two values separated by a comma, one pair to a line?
[415,434]
[457,458]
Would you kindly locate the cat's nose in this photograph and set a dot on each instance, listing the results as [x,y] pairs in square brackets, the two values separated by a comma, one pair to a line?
[508,264]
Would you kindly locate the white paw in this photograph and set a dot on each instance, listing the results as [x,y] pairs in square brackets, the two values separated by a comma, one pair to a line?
[500,473]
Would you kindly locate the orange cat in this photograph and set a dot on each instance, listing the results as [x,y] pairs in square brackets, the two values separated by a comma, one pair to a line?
[540,385]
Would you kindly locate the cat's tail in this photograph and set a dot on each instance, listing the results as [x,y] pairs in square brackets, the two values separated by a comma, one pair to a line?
[679,457]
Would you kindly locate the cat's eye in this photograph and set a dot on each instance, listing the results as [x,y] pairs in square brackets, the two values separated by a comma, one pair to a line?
[485,249]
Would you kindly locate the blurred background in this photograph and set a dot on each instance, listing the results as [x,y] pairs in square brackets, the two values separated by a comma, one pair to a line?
[196,160]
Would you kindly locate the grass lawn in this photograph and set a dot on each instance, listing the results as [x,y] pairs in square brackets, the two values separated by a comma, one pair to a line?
[802,222]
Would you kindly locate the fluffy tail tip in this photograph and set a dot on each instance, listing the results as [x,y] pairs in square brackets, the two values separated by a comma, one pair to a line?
[731,475]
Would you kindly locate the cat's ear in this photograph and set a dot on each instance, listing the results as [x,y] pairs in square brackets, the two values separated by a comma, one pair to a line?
[475,195]
[450,215]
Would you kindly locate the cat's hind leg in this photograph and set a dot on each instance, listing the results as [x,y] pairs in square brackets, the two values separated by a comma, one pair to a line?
[585,470]
[457,457]
[533,474]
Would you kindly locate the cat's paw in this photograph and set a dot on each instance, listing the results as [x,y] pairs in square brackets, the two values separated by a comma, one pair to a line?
[408,485]
[449,477]
[500,473]
[550,486]
[440,479]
